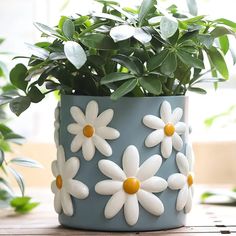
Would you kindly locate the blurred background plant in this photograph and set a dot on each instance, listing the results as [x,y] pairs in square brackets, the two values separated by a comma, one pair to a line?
[8,138]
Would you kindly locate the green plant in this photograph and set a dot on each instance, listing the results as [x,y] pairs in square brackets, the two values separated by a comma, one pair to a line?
[125,52]
[7,138]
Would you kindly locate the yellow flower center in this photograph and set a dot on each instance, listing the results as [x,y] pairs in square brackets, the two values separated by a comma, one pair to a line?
[88,131]
[59,182]
[131,185]
[169,129]
[190,180]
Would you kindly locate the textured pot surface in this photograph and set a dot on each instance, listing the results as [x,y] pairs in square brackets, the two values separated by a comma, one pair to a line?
[88,212]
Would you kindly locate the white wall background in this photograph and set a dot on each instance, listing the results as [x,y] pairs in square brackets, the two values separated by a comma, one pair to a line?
[16,25]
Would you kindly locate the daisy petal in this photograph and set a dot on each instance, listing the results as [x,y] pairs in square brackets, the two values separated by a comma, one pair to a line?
[77,142]
[54,187]
[102,146]
[166,147]
[182,163]
[111,170]
[154,138]
[131,209]
[77,115]
[154,184]
[180,128]
[66,203]
[149,168]
[60,158]
[88,149]
[74,128]
[57,202]
[108,187]
[91,112]
[107,133]
[176,115]
[177,142]
[188,205]
[130,161]
[77,189]
[153,122]
[54,168]
[115,204]
[71,168]
[150,202]
[142,36]
[176,181]
[104,118]
[182,198]
[165,112]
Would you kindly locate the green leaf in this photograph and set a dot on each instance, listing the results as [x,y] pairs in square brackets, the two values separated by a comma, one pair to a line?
[4,145]
[221,31]
[192,7]
[23,205]
[114,77]
[26,162]
[98,41]
[224,44]
[18,75]
[169,65]
[144,9]
[219,62]
[206,39]
[206,195]
[133,64]
[197,90]
[2,157]
[80,20]
[19,179]
[226,22]
[189,60]
[19,201]
[168,26]
[108,16]
[68,28]
[45,29]
[152,84]
[125,88]
[157,60]
[75,54]
[35,95]
[19,104]
[4,100]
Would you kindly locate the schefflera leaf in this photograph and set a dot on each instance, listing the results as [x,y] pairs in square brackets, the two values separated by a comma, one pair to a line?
[75,54]
[168,26]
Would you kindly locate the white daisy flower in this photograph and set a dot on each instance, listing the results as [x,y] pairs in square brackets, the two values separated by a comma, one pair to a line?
[132,185]
[167,129]
[91,130]
[56,124]
[65,185]
[183,181]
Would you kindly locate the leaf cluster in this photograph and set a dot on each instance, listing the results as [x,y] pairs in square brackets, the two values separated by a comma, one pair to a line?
[119,52]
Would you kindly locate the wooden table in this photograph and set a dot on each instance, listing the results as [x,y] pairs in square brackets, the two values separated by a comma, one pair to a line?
[203,220]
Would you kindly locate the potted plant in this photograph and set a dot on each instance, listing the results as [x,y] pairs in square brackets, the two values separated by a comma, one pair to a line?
[124,157]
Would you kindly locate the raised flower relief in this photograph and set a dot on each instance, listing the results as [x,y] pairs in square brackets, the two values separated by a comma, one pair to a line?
[56,124]
[167,129]
[65,186]
[132,185]
[91,130]
[183,181]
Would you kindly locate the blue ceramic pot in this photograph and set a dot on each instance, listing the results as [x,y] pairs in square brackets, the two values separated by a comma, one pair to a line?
[132,121]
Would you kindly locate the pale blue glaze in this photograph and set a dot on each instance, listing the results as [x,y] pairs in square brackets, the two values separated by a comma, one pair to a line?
[128,115]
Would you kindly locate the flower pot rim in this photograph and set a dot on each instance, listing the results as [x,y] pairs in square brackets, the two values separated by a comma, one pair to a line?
[126,97]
